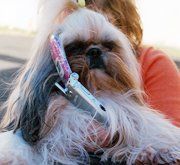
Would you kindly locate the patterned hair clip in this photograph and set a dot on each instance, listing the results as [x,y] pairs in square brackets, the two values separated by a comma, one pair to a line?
[81,3]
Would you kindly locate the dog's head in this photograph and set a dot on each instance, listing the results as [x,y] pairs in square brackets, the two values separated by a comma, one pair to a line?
[99,52]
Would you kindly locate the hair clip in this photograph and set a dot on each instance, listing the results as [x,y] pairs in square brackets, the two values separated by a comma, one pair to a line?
[81,3]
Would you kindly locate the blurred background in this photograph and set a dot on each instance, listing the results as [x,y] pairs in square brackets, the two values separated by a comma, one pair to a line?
[160,19]
[161,25]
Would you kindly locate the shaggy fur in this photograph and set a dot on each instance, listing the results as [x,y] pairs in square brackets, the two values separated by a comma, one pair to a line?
[47,129]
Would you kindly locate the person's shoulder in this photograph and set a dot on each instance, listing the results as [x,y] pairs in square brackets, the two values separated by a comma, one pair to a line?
[161,82]
[151,54]
[154,59]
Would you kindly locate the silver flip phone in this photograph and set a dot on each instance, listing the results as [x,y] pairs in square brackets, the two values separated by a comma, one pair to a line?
[78,95]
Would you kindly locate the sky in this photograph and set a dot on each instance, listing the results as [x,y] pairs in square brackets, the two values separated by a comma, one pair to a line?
[160,18]
[18,13]
[161,21]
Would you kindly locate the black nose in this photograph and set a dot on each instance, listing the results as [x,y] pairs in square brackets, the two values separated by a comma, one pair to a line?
[95,52]
[95,59]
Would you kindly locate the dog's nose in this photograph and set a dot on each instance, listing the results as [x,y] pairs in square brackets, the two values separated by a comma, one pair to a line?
[95,59]
[94,52]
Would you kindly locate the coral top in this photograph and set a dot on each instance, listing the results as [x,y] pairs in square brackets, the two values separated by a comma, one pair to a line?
[161,79]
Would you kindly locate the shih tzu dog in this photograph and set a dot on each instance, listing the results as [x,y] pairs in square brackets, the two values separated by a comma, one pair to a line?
[41,126]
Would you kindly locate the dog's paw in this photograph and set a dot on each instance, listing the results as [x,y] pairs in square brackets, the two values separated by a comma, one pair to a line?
[151,156]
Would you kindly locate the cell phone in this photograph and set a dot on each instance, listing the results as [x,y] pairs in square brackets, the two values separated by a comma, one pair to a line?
[79,96]
[71,88]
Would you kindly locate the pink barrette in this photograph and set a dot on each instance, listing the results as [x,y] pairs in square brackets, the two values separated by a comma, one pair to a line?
[59,57]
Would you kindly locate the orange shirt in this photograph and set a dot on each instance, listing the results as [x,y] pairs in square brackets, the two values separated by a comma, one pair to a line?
[161,81]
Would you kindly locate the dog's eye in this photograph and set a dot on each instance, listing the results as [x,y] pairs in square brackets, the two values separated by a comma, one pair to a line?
[75,48]
[110,45]
[88,2]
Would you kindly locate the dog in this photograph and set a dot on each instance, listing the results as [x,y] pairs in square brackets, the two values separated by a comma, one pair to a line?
[42,127]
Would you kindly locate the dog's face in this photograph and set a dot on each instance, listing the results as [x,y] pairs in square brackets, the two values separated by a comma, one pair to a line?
[98,52]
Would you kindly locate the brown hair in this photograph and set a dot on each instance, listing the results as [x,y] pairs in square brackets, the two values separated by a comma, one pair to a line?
[125,17]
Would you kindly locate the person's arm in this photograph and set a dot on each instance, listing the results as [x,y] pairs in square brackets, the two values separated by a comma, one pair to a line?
[161,80]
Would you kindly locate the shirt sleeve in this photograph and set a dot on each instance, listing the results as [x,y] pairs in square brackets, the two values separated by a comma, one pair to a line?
[161,79]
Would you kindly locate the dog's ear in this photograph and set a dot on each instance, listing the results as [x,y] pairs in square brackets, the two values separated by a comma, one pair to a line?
[28,102]
[35,88]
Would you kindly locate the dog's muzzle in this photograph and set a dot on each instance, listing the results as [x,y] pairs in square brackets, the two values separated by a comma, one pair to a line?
[95,58]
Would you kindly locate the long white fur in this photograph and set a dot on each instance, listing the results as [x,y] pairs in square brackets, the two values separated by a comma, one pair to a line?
[137,125]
